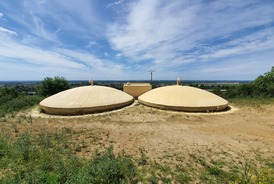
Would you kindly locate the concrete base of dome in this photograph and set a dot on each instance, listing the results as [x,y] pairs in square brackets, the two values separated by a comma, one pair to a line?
[185,108]
[85,110]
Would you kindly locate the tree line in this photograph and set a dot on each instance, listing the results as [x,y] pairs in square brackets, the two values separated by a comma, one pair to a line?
[262,86]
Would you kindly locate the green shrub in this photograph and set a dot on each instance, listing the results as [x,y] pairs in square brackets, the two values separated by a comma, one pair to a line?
[7,94]
[263,86]
[47,159]
[51,86]
[19,103]
[105,167]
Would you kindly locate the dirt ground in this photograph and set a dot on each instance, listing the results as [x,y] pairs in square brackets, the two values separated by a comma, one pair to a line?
[242,133]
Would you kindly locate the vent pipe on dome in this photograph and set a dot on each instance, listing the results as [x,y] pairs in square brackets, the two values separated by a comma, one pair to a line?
[178,81]
[91,82]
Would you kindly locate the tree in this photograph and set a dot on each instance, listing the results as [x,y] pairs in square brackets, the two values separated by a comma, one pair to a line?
[264,84]
[51,86]
[7,94]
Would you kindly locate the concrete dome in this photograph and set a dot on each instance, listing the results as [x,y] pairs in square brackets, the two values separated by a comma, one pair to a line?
[86,99]
[183,98]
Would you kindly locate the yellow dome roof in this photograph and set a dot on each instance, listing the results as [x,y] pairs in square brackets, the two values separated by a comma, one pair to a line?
[86,99]
[183,98]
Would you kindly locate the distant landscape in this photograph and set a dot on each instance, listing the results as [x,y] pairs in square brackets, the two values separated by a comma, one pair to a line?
[30,86]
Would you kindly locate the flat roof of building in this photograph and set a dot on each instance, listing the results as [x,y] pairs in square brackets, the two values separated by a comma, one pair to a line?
[137,84]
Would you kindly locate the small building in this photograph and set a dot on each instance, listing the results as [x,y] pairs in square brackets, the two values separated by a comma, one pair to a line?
[136,89]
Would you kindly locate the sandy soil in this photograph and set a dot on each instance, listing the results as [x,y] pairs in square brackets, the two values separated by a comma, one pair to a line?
[167,136]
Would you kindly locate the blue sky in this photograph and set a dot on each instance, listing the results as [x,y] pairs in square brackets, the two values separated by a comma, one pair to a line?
[123,39]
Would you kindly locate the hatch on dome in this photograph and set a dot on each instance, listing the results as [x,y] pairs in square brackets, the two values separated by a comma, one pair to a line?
[183,98]
[84,100]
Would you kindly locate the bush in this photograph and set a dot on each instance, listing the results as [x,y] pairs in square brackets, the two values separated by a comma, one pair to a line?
[105,167]
[51,86]
[19,103]
[7,94]
[263,86]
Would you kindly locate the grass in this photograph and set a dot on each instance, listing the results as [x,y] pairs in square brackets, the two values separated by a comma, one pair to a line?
[49,158]
[18,104]
[254,102]
[52,158]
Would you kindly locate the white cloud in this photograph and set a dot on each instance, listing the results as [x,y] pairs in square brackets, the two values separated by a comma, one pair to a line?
[91,61]
[1,14]
[118,55]
[91,44]
[256,42]
[172,37]
[73,64]
[77,16]
[148,30]
[7,31]
[176,31]
[40,30]
[236,68]
[114,4]
[50,20]
[34,55]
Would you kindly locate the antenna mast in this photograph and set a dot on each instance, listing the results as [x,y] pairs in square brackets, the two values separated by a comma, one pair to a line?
[151,71]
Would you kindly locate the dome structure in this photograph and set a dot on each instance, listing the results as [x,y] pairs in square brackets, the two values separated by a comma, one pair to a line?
[183,98]
[85,99]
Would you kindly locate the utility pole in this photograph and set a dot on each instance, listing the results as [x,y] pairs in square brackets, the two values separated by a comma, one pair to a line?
[151,71]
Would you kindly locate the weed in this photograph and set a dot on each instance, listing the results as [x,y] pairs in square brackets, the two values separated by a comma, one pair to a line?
[245,175]
[270,164]
[253,102]
[14,126]
[29,119]
[105,167]
[79,146]
[44,140]
[214,170]
[25,145]
[143,158]
[153,179]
